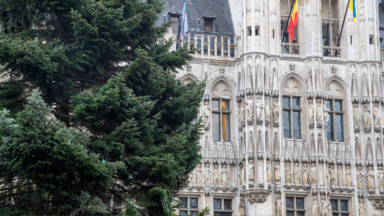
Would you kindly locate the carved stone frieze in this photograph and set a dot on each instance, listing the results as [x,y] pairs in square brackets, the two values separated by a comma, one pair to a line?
[257,195]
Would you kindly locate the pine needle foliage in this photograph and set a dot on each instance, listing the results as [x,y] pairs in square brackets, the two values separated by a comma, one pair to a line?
[91,110]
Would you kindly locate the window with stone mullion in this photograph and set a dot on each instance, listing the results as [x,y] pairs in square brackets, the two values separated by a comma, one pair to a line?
[291,117]
[221,120]
[335,126]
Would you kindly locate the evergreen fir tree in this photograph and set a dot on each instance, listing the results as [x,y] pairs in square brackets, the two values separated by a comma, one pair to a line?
[109,118]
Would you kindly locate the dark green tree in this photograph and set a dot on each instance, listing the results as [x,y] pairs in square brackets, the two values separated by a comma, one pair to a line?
[112,120]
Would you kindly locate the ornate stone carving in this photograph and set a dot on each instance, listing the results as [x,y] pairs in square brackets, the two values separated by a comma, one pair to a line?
[259,111]
[315,207]
[326,115]
[257,195]
[380,178]
[311,112]
[288,173]
[242,173]
[376,115]
[240,113]
[296,171]
[277,173]
[332,176]
[190,178]
[216,175]
[361,207]
[313,174]
[251,170]
[269,175]
[367,119]
[305,174]
[360,178]
[224,176]
[340,176]
[356,117]
[370,179]
[278,207]
[207,115]
[357,148]
[242,207]
[319,112]
[250,141]
[276,112]
[267,112]
[207,175]
[323,207]
[348,176]
[249,109]
[199,175]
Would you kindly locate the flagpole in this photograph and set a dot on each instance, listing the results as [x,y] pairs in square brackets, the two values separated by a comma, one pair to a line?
[286,26]
[342,27]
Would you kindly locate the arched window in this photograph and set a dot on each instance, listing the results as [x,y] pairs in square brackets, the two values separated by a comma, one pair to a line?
[293,103]
[221,112]
[335,108]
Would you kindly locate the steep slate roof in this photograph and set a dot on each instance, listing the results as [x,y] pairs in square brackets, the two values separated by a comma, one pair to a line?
[196,9]
[381,23]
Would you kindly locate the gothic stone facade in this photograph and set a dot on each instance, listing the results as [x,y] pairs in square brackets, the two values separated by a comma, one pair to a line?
[290,128]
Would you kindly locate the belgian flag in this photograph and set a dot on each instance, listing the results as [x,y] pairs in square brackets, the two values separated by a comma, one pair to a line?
[293,21]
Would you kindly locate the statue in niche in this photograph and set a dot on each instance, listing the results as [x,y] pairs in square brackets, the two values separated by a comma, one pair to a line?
[332,176]
[380,174]
[326,115]
[360,178]
[328,177]
[249,107]
[216,175]
[269,176]
[348,176]
[207,175]
[278,207]
[305,174]
[259,108]
[276,110]
[277,173]
[207,113]
[361,208]
[376,115]
[315,207]
[340,176]
[242,173]
[224,176]
[267,112]
[241,112]
[329,207]
[296,171]
[311,112]
[319,112]
[367,116]
[242,209]
[190,178]
[251,173]
[198,175]
[370,178]
[356,115]
[288,174]
[313,175]
[323,207]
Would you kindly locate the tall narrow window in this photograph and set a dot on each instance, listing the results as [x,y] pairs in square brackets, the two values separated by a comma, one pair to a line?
[257,31]
[222,207]
[335,127]
[291,117]
[340,207]
[188,208]
[249,31]
[295,206]
[221,114]
[371,40]
[208,25]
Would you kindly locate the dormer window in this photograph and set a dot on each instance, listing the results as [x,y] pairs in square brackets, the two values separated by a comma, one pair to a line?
[208,25]
[175,21]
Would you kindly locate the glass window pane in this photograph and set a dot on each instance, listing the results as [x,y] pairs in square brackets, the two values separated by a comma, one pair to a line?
[287,123]
[193,203]
[296,125]
[300,214]
[286,102]
[329,105]
[344,214]
[299,203]
[216,126]
[227,204]
[338,106]
[290,213]
[289,203]
[339,127]
[334,205]
[330,128]
[226,127]
[215,105]
[217,214]
[335,214]
[343,205]
[183,202]
[225,105]
[194,213]
[183,212]
[217,204]
[296,103]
